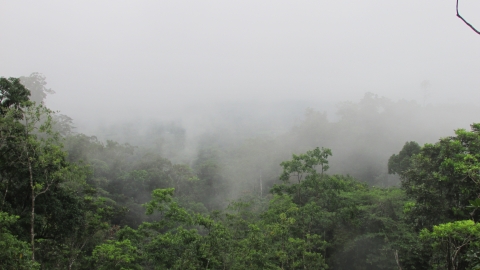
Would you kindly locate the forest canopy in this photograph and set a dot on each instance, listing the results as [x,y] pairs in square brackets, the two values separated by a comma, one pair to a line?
[74,201]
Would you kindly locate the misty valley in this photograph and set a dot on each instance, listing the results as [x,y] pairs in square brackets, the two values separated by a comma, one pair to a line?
[382,185]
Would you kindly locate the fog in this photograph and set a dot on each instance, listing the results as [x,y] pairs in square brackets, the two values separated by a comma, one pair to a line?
[186,134]
[246,69]
[153,58]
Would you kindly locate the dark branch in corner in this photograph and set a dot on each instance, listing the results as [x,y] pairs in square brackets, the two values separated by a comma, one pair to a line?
[467,23]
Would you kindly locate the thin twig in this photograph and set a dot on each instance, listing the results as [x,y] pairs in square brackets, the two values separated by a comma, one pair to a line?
[467,23]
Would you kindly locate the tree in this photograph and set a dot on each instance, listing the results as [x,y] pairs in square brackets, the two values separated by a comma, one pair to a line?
[36,84]
[116,255]
[453,242]
[291,244]
[398,164]
[442,179]
[14,253]
[12,94]
[32,160]
[303,168]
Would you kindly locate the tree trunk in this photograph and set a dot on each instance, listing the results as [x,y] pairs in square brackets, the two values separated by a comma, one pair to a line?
[32,218]
[5,196]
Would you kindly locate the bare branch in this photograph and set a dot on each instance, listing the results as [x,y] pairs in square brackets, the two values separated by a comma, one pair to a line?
[465,21]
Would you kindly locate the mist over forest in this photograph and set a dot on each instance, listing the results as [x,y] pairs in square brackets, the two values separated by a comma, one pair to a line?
[362,134]
[240,135]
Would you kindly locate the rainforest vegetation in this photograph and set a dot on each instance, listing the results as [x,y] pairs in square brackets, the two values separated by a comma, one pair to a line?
[372,190]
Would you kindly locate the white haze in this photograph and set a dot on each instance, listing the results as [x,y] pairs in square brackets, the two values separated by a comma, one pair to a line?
[109,59]
[195,62]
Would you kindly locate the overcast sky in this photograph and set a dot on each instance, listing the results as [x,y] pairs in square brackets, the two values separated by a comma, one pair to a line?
[149,57]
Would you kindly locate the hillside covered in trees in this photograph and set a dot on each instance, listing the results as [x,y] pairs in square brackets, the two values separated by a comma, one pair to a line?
[383,187]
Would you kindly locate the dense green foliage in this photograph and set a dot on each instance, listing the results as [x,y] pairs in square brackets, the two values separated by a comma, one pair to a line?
[71,201]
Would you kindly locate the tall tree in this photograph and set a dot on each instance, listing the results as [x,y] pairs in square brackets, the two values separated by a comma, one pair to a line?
[398,164]
[37,85]
[12,94]
[443,178]
[32,160]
